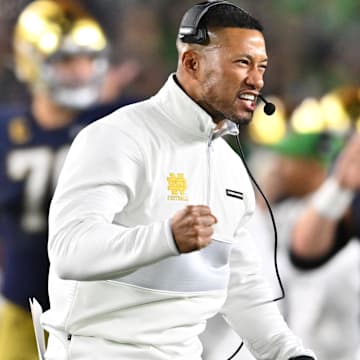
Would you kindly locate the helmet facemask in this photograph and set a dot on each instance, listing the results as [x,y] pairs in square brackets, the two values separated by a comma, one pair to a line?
[72,91]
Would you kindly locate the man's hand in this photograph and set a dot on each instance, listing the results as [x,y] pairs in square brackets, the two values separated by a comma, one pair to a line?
[118,78]
[192,227]
[347,168]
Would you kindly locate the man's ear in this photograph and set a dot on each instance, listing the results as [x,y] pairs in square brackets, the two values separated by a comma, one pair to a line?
[191,62]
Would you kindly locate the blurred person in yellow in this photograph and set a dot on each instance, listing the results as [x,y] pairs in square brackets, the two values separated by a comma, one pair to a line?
[62,54]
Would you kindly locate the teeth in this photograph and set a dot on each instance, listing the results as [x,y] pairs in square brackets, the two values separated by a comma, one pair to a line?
[250,97]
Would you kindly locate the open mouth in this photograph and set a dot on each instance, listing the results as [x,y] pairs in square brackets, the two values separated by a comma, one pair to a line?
[248,96]
[249,99]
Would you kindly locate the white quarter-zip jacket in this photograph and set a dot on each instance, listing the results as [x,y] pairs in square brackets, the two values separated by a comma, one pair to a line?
[118,287]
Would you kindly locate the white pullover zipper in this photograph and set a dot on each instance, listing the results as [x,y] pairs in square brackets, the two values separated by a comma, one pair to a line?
[208,173]
[228,128]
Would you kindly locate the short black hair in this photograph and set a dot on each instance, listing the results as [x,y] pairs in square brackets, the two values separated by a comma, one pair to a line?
[221,14]
[227,15]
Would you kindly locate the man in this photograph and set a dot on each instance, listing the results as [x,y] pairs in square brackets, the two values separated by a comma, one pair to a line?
[297,168]
[61,53]
[325,246]
[334,203]
[146,225]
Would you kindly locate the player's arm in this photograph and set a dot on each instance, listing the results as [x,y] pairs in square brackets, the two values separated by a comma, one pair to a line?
[315,232]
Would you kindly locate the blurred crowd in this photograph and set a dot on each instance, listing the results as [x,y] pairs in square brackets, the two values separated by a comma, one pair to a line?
[313,76]
[312,46]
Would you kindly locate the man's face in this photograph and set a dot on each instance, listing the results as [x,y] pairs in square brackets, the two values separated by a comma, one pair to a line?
[231,73]
[74,81]
[74,71]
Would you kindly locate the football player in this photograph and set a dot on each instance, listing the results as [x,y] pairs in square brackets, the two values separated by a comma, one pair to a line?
[62,54]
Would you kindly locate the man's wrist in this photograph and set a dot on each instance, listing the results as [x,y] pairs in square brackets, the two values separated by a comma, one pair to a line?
[331,200]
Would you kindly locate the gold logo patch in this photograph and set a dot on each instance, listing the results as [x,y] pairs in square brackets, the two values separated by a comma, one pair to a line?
[177,186]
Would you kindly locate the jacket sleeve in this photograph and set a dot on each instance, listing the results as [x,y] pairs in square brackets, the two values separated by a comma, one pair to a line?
[101,175]
[250,310]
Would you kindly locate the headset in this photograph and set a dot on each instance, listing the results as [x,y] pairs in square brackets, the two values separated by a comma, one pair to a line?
[189,31]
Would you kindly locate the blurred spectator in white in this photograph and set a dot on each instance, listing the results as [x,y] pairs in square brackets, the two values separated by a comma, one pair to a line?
[319,258]
[325,246]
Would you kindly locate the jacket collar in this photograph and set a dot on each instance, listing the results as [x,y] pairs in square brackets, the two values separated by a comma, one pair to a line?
[186,114]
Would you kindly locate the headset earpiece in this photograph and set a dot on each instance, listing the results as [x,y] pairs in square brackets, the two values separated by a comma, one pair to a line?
[189,31]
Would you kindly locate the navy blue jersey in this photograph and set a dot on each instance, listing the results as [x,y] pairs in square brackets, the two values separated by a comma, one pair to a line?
[30,161]
[355,210]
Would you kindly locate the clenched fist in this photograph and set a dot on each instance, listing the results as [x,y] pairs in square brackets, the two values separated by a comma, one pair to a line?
[192,227]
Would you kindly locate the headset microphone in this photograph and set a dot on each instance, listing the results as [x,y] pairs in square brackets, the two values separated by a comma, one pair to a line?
[269,107]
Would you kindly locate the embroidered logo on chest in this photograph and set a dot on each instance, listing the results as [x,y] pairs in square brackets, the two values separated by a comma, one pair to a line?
[177,187]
